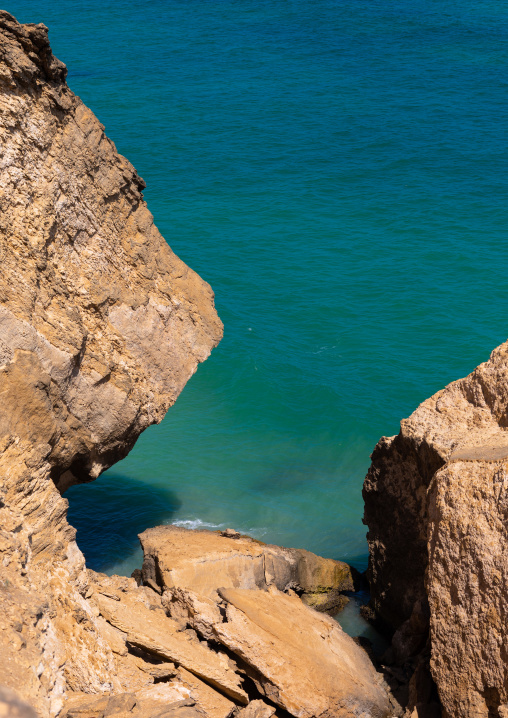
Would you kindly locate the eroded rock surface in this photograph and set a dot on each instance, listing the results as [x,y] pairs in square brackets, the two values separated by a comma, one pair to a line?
[203,561]
[299,660]
[101,325]
[436,509]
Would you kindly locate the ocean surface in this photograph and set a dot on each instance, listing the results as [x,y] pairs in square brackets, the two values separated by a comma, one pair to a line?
[337,170]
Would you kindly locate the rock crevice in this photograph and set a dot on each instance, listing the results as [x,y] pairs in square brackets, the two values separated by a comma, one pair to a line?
[435,508]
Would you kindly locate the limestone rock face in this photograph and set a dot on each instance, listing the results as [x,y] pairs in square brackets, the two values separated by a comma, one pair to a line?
[204,561]
[101,325]
[436,509]
[299,659]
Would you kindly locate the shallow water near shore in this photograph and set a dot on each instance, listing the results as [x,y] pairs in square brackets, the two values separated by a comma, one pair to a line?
[337,171]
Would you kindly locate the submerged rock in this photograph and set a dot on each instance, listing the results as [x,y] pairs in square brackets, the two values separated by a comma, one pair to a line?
[436,508]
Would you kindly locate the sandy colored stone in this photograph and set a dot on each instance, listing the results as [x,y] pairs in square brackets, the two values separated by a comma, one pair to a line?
[166,700]
[466,416]
[257,709]
[115,638]
[212,703]
[468,576]
[203,561]
[435,507]
[155,632]
[101,325]
[86,706]
[12,707]
[299,659]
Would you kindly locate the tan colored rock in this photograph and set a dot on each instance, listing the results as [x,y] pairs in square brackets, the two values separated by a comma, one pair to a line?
[161,671]
[435,508]
[154,632]
[212,703]
[468,576]
[203,561]
[257,709]
[12,707]
[93,299]
[163,701]
[190,609]
[86,706]
[101,325]
[299,659]
[116,639]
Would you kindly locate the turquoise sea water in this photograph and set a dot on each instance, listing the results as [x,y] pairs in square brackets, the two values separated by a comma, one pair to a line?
[336,169]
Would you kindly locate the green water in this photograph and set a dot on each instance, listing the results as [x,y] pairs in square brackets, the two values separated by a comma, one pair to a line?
[337,171]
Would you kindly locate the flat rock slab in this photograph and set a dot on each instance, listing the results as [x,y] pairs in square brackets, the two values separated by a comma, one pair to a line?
[300,660]
[480,453]
[153,631]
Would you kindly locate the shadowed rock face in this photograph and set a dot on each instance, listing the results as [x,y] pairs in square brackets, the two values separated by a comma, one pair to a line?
[101,325]
[436,509]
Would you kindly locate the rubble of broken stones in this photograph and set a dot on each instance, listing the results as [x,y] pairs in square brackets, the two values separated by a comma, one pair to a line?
[217,629]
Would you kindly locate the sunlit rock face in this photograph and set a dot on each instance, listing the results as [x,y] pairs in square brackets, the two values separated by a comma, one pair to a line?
[98,315]
[101,325]
[436,505]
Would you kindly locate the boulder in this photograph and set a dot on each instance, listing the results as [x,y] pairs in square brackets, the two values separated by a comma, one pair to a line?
[204,561]
[299,660]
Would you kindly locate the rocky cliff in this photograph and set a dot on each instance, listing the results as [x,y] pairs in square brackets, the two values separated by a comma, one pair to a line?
[101,325]
[436,505]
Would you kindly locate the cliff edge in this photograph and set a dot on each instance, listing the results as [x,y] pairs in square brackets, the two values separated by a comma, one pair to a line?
[101,325]
[436,504]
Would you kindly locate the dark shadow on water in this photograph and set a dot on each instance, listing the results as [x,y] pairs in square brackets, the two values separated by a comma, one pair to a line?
[110,513]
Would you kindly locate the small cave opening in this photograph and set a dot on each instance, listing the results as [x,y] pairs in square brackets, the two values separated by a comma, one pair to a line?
[110,512]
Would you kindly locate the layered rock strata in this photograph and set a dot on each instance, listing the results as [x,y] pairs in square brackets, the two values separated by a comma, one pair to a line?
[436,508]
[101,325]
[252,645]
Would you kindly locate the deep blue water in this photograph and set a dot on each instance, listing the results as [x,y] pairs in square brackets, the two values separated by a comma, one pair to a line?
[337,170]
